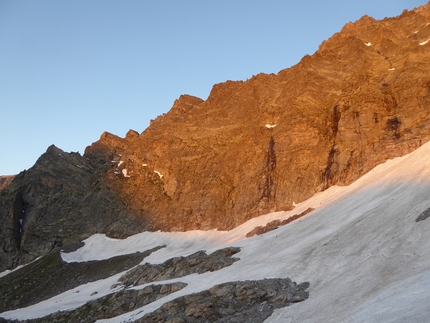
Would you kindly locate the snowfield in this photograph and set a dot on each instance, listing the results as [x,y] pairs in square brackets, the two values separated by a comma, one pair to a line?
[361,250]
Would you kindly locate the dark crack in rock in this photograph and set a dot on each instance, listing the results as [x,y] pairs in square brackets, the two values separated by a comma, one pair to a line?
[243,301]
[198,262]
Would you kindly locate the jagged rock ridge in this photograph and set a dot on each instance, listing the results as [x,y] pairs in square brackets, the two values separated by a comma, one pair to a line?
[57,203]
[252,147]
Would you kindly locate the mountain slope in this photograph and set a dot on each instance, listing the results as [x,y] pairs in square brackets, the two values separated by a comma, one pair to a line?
[5,181]
[56,204]
[362,251]
[259,145]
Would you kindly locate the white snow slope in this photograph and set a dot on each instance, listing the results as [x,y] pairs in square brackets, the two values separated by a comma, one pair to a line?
[361,250]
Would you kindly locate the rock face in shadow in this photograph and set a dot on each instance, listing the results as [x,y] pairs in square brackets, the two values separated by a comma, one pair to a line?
[197,263]
[252,147]
[273,225]
[243,301]
[58,202]
[50,276]
[111,305]
[238,301]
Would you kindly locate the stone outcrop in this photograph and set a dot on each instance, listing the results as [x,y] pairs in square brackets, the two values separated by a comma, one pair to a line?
[197,263]
[50,276]
[273,225]
[424,215]
[248,301]
[252,147]
[239,301]
[112,305]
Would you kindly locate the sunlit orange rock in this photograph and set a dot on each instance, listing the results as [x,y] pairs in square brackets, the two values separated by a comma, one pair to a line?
[259,145]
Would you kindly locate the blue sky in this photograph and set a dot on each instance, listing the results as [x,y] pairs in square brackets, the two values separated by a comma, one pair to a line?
[70,70]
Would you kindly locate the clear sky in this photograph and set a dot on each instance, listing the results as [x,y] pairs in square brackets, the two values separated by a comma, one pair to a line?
[70,70]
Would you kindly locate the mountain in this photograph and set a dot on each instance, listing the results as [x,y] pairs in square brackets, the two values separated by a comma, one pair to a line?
[269,144]
[56,204]
[259,145]
[360,256]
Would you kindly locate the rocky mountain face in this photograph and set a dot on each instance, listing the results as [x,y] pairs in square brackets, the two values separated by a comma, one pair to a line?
[259,145]
[5,181]
[57,203]
[252,147]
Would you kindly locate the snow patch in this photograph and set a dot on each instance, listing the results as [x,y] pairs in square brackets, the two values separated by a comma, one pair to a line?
[368,44]
[125,173]
[270,126]
[158,173]
[424,42]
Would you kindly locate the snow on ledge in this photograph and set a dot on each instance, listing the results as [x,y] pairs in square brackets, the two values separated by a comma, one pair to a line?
[125,173]
[270,126]
[158,173]
[424,42]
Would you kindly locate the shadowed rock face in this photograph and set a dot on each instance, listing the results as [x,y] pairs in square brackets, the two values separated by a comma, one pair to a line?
[237,301]
[111,305]
[252,147]
[197,263]
[49,276]
[247,301]
[57,203]
[5,181]
[273,225]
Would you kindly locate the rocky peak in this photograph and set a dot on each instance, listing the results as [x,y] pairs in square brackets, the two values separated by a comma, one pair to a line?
[259,145]
[57,203]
